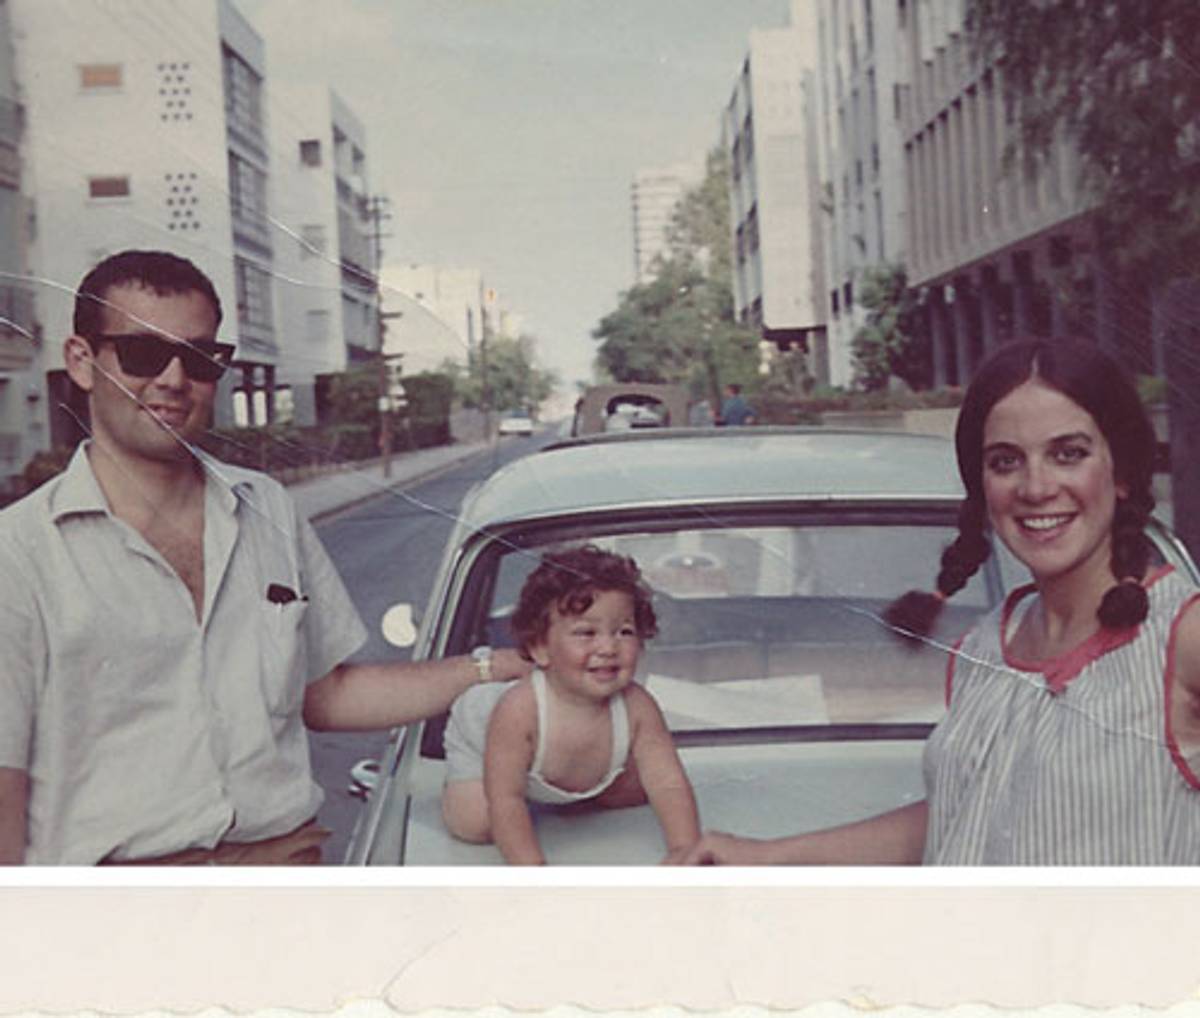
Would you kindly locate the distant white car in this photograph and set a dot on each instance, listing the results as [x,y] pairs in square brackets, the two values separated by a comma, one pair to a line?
[517,423]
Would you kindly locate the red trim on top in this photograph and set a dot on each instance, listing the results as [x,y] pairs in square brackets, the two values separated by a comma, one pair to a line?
[950,662]
[1059,671]
[1177,756]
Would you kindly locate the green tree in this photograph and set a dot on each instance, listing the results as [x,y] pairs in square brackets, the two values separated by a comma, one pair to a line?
[699,228]
[887,345]
[502,374]
[1121,80]
[354,395]
[680,326]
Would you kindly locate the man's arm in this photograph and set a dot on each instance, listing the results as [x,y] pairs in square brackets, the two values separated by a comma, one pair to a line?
[506,763]
[364,697]
[14,799]
[662,774]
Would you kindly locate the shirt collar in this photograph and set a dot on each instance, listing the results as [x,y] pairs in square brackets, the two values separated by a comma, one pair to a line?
[78,492]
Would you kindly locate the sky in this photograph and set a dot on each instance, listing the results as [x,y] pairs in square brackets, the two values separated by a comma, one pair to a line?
[506,133]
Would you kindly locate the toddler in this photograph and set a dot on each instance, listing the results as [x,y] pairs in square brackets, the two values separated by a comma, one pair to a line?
[579,728]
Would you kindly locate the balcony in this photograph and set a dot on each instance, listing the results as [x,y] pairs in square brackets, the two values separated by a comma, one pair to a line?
[11,119]
[17,337]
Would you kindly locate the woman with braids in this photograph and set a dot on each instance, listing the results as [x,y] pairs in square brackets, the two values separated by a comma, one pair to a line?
[1072,733]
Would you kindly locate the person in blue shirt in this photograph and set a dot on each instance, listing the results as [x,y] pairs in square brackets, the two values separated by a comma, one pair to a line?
[735,411]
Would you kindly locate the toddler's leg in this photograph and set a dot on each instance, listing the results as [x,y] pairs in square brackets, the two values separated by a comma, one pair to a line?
[465,811]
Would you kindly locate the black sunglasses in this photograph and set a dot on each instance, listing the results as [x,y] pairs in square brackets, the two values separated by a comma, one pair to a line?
[147,354]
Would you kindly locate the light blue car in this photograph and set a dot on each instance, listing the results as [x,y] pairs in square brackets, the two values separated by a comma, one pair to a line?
[772,554]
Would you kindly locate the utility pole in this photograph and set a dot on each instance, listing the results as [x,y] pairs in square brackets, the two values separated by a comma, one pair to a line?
[379,211]
[485,395]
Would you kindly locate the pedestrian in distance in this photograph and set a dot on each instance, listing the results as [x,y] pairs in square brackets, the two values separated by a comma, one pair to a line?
[1072,732]
[735,411]
[579,729]
[169,625]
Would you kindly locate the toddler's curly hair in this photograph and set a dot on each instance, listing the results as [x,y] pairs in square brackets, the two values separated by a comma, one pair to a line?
[569,580]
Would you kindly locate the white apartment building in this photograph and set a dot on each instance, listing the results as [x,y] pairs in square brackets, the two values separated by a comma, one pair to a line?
[653,196]
[146,127]
[441,314]
[770,129]
[324,249]
[989,247]
[862,72]
[20,389]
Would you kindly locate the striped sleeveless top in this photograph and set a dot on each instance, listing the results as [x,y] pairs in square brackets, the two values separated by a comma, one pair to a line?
[1067,762]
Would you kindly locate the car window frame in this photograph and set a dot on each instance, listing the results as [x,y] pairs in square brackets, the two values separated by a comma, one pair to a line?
[475,570]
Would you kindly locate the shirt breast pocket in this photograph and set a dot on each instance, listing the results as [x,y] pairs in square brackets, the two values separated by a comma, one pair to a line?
[283,657]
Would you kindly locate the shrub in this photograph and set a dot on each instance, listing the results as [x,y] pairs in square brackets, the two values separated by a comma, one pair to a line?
[44,465]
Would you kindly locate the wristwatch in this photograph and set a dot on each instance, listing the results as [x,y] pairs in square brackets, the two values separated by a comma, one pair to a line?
[482,656]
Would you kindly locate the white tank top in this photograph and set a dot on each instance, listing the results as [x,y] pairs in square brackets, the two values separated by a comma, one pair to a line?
[537,787]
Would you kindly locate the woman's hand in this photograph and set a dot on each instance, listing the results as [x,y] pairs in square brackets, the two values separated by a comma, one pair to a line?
[715,848]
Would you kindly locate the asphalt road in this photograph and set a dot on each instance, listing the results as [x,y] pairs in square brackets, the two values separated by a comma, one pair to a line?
[388,550]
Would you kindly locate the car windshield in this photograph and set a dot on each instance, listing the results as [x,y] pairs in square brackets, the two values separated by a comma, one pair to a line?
[769,626]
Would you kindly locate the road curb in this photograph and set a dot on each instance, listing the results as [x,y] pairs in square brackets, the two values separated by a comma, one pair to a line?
[356,502]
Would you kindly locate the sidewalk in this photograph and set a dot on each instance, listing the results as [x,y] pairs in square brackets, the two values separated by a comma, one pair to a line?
[322,496]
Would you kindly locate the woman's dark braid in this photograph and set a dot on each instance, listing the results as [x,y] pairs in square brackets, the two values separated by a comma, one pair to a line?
[962,559]
[913,614]
[1126,604]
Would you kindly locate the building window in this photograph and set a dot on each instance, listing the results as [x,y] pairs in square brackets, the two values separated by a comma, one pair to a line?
[848,295]
[312,240]
[879,224]
[248,193]
[99,76]
[243,93]
[285,404]
[253,294]
[108,187]
[833,302]
[316,326]
[310,152]
[241,408]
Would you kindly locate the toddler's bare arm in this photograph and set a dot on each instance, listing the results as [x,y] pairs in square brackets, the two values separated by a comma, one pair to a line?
[662,774]
[506,762]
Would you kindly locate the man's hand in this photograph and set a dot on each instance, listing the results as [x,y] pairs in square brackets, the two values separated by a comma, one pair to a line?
[508,663]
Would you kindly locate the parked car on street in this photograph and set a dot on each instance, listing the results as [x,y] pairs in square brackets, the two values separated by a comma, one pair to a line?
[516,422]
[623,406]
[772,554]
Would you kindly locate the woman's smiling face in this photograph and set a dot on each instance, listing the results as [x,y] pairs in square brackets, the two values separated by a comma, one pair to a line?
[1049,482]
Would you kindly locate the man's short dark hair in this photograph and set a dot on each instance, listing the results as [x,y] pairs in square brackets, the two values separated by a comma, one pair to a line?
[161,272]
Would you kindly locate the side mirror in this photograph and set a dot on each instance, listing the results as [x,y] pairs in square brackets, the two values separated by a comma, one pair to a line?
[398,626]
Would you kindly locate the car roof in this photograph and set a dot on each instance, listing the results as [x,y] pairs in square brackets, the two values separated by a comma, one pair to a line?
[707,465]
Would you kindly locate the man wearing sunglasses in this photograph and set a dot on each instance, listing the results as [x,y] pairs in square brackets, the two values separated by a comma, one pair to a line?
[168,625]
